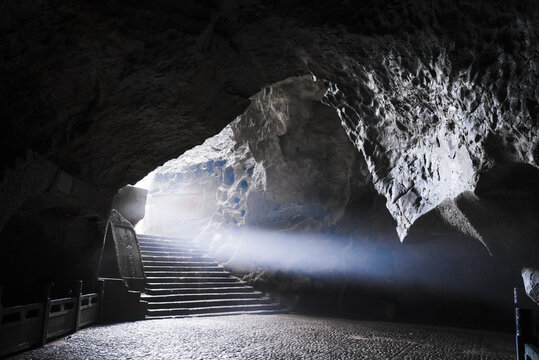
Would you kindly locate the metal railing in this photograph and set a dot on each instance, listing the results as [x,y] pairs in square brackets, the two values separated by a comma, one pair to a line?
[526,332]
[26,326]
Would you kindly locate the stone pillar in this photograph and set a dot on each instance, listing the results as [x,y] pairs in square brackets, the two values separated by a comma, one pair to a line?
[46,312]
[78,295]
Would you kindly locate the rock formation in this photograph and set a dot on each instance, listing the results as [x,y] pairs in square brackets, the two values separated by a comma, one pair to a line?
[284,164]
[130,201]
[531,283]
[265,171]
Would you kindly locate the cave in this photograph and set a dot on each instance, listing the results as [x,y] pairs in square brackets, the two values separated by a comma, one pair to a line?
[374,164]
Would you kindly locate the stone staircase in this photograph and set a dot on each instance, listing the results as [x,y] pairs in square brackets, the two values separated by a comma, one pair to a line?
[182,281]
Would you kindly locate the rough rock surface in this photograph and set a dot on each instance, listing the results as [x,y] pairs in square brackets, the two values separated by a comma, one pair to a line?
[428,129]
[277,175]
[531,283]
[130,201]
[285,164]
[297,167]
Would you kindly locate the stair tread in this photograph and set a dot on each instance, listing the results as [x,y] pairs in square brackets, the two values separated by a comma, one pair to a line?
[144,247]
[152,267]
[165,237]
[231,313]
[159,252]
[148,249]
[175,285]
[170,244]
[239,294]
[181,245]
[222,272]
[169,275]
[189,278]
[172,257]
[202,282]
[211,301]
[211,308]
[197,263]
[227,288]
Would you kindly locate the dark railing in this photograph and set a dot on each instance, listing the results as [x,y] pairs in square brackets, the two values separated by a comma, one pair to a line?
[526,333]
[26,326]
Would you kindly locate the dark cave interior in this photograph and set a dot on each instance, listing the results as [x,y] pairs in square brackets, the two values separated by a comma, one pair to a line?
[403,134]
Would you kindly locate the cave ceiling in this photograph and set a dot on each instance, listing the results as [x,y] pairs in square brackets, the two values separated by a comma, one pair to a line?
[432,93]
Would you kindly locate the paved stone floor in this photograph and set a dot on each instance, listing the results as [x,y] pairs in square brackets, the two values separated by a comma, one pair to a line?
[274,337]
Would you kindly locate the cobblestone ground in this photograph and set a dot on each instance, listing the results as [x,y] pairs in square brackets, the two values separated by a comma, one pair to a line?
[274,337]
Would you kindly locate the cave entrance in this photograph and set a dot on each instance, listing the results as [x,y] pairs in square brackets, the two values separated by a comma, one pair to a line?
[285,164]
[175,213]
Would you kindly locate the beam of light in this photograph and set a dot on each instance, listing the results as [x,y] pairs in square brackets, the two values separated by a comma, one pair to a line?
[442,267]
[301,253]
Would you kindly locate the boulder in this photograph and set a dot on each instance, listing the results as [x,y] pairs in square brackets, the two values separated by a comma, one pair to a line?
[130,201]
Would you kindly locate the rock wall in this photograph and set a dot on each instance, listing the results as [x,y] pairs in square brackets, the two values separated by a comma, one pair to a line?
[285,164]
[531,283]
[130,201]
[296,212]
[296,167]
[51,230]
[459,123]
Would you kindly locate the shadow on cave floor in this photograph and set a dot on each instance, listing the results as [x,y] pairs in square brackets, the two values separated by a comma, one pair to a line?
[276,337]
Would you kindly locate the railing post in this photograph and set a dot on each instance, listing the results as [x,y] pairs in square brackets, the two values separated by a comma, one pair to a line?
[1,294]
[101,293]
[46,313]
[524,326]
[78,295]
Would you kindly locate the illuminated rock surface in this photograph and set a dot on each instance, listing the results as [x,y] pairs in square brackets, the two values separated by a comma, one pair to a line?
[531,283]
[131,203]
[275,337]
[284,164]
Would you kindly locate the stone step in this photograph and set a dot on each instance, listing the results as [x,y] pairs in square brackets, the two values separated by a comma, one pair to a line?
[146,258]
[191,279]
[189,304]
[169,248]
[162,238]
[198,290]
[181,263]
[159,244]
[230,313]
[169,243]
[177,269]
[172,253]
[211,309]
[183,281]
[183,274]
[203,296]
[205,284]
